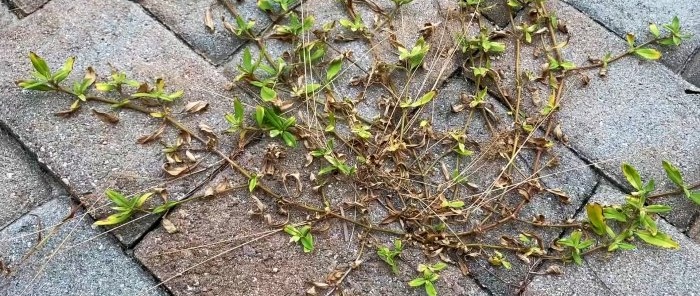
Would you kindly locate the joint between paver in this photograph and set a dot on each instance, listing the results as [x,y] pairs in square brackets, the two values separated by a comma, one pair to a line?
[179,38]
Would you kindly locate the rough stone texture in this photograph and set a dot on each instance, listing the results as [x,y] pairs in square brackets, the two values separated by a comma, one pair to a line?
[211,232]
[622,17]
[27,7]
[692,70]
[570,175]
[645,271]
[73,260]
[87,154]
[6,17]
[633,114]
[22,184]
[497,11]
[186,19]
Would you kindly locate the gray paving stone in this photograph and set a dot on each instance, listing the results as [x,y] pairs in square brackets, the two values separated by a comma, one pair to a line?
[73,259]
[646,270]
[22,183]
[186,19]
[639,113]
[634,16]
[87,154]
[27,7]
[6,16]
[271,265]
[692,70]
[571,175]
[497,11]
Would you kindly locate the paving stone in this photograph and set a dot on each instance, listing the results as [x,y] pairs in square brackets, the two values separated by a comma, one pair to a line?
[646,270]
[571,175]
[633,114]
[497,11]
[22,183]
[186,19]
[27,7]
[692,70]
[73,259]
[622,17]
[271,265]
[87,154]
[6,17]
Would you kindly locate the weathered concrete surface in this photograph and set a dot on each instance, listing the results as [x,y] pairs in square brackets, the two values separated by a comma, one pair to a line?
[6,17]
[624,17]
[22,184]
[692,70]
[571,175]
[497,11]
[186,19]
[645,271]
[73,259]
[90,155]
[639,113]
[214,232]
[26,7]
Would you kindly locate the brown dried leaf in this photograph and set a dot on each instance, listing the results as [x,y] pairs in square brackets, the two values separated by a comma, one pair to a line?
[554,269]
[208,20]
[563,197]
[175,170]
[106,117]
[168,225]
[196,106]
[152,137]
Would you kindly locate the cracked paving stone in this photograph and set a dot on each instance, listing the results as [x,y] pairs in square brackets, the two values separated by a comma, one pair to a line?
[6,16]
[74,259]
[647,270]
[88,154]
[186,19]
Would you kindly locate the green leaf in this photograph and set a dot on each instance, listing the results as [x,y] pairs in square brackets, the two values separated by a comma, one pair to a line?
[289,139]
[334,68]
[595,217]
[114,219]
[614,214]
[648,53]
[654,30]
[660,239]
[426,98]
[430,289]
[34,85]
[117,198]
[673,174]
[259,115]
[417,282]
[138,202]
[658,209]
[695,197]
[64,71]
[268,94]
[632,176]
[164,207]
[252,183]
[40,65]
[307,242]
[630,39]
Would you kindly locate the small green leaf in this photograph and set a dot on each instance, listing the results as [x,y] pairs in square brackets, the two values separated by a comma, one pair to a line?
[64,71]
[40,65]
[114,219]
[430,288]
[259,115]
[673,174]
[595,217]
[268,94]
[417,282]
[252,183]
[659,240]
[658,209]
[694,196]
[334,68]
[632,176]
[648,53]
[654,30]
